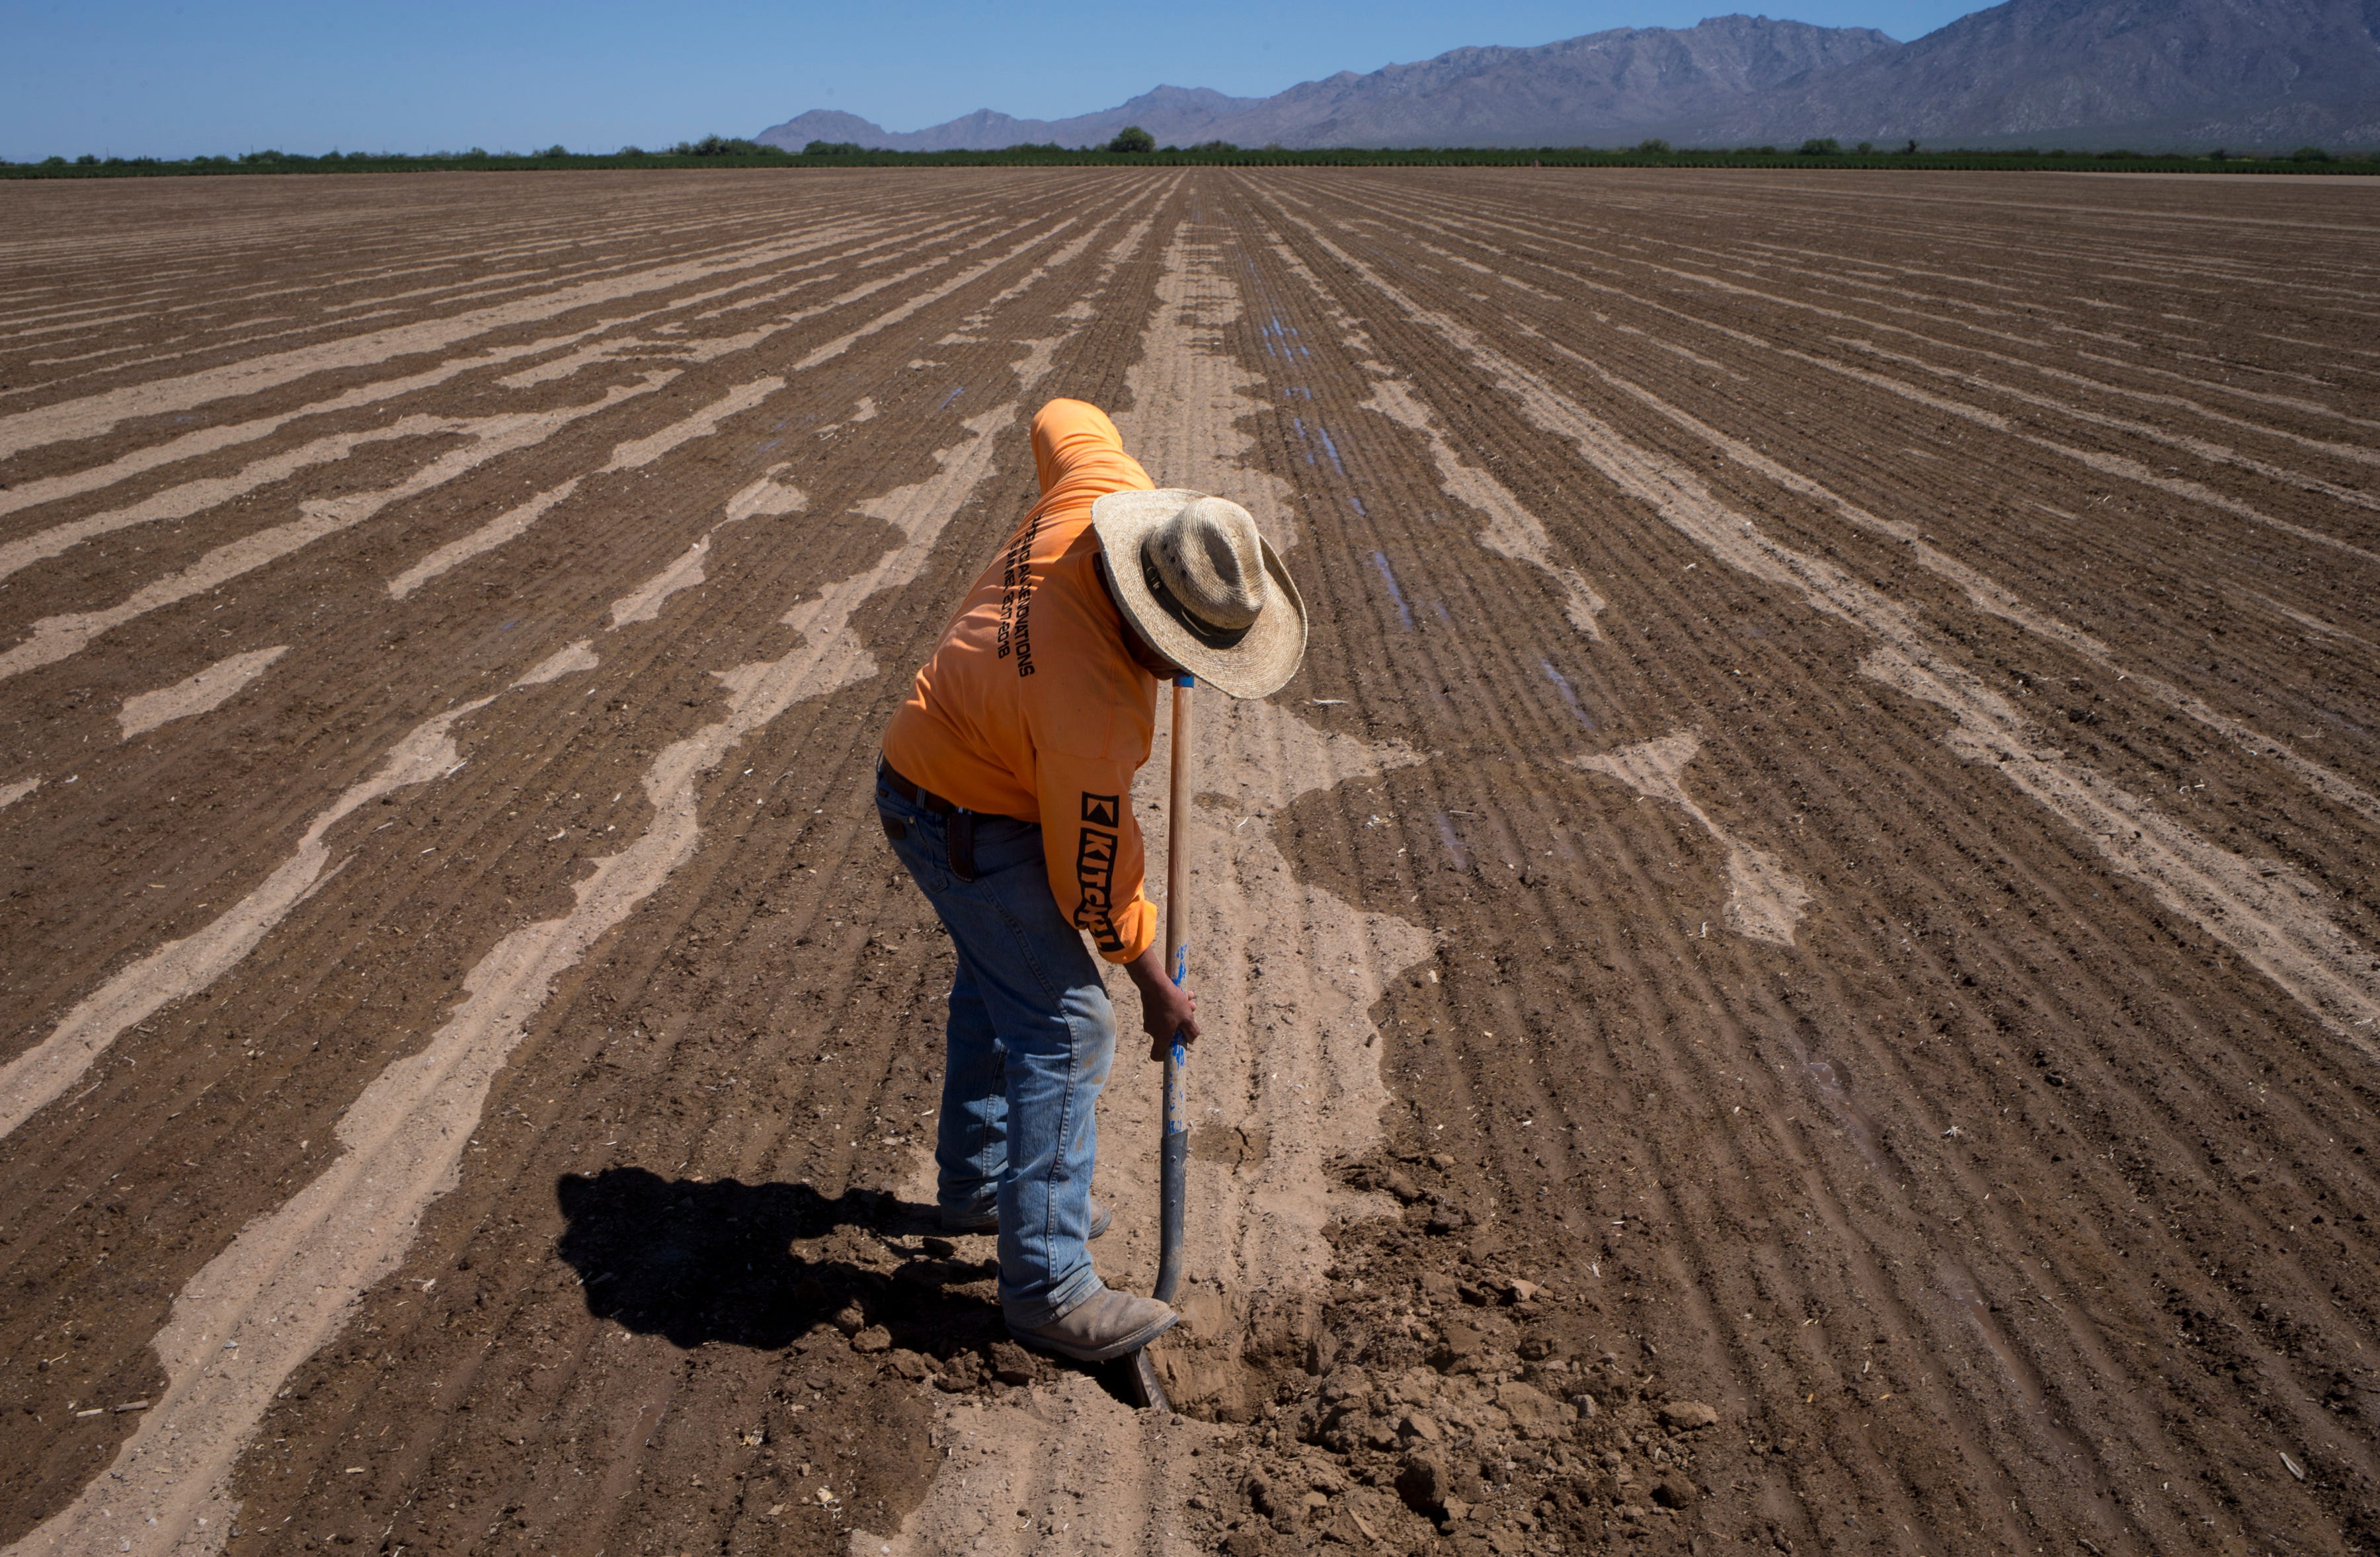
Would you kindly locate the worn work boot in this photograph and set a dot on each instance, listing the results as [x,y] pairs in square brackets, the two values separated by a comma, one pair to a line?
[1101,1219]
[1106,1325]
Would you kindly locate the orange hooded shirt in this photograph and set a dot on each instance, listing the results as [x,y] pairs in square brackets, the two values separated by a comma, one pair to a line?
[1031,707]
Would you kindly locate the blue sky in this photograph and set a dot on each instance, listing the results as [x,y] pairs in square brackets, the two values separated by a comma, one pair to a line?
[135,76]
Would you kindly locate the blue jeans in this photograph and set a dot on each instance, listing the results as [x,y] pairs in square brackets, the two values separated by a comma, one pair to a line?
[1027,1048]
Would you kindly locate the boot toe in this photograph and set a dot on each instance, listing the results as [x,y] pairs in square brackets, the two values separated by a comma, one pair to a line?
[1105,1325]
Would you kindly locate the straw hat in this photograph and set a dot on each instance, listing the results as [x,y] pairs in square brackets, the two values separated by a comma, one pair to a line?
[1192,573]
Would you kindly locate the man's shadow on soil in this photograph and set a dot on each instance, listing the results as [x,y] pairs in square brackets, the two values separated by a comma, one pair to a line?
[696,1262]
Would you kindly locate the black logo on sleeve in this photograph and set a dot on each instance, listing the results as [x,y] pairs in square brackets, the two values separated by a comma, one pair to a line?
[1095,860]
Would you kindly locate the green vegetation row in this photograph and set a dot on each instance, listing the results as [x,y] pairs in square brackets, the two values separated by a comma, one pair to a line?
[1135,148]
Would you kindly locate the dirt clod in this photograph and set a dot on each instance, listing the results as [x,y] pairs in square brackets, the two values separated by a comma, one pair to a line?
[1673,1491]
[1011,1364]
[1685,1416]
[1423,1483]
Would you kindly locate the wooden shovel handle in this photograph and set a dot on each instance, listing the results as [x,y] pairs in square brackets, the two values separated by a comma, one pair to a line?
[1177,813]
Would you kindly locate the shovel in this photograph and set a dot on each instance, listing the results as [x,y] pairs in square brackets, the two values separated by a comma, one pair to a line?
[1174,1150]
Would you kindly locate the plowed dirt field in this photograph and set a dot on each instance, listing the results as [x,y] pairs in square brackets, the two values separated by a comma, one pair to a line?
[1797,972]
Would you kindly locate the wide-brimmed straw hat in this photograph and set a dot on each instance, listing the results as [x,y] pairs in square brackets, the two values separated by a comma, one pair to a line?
[1192,573]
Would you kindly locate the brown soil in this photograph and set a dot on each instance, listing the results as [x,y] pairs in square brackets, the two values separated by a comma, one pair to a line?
[1797,972]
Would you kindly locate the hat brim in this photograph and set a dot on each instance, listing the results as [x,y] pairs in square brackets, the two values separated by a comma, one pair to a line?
[1257,666]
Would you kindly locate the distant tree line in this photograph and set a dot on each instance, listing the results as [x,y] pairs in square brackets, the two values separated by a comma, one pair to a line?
[1134,145]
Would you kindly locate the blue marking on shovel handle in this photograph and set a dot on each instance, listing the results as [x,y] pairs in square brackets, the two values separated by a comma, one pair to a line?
[1177,1093]
[1177,1087]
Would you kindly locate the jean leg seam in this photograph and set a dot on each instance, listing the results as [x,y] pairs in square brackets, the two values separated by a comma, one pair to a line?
[1065,1133]
[983,1131]
[978,1128]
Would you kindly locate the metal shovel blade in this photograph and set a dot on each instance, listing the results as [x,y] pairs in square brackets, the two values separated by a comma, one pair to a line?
[1140,1383]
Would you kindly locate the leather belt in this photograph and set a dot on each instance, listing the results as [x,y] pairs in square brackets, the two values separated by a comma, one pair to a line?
[916,795]
[958,823]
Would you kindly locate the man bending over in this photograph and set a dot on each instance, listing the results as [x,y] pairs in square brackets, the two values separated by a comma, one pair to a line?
[1005,788]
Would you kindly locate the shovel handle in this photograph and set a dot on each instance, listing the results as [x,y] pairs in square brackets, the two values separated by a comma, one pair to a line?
[1173,1151]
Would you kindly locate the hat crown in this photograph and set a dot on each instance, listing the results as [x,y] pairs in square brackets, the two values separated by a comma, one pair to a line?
[1212,561]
